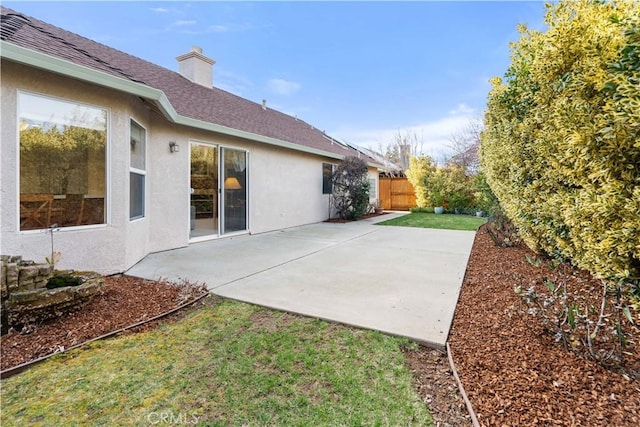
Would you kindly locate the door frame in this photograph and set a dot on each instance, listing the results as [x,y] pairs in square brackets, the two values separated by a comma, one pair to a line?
[221,196]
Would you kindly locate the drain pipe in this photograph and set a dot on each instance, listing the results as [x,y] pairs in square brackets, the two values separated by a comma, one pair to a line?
[467,402]
[23,366]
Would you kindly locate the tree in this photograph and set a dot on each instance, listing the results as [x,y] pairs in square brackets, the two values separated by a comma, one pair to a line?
[392,155]
[560,149]
[440,186]
[351,188]
[464,145]
[420,168]
[404,145]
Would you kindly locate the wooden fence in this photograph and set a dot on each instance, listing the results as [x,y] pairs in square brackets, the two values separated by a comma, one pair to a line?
[396,194]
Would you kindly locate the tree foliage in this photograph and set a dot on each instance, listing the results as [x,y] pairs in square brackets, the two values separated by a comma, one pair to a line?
[56,160]
[351,188]
[448,186]
[561,149]
[419,168]
[464,145]
[399,150]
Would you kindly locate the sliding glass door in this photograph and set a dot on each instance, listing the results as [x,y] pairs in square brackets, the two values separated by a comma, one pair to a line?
[204,190]
[218,201]
[234,173]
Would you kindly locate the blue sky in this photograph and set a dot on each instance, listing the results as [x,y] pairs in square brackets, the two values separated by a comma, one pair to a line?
[361,71]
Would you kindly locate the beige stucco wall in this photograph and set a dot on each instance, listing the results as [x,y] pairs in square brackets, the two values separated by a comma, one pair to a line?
[287,190]
[285,186]
[101,247]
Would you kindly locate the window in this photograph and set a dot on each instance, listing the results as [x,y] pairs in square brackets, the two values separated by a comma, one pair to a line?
[137,171]
[373,191]
[327,173]
[62,170]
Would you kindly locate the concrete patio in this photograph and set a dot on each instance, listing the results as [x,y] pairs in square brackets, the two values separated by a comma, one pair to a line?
[399,280]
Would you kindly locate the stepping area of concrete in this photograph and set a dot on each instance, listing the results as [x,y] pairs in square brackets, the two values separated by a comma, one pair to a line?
[399,280]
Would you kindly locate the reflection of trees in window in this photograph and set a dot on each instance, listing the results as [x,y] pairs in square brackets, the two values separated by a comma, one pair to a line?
[203,160]
[235,160]
[137,171]
[62,160]
[67,162]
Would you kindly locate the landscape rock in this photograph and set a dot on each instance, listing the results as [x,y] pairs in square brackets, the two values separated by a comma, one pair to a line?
[26,299]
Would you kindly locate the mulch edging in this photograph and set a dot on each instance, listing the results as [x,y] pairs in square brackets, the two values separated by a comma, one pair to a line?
[123,304]
[513,371]
[7,373]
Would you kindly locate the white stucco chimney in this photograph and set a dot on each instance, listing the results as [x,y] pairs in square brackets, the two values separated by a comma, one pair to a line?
[196,67]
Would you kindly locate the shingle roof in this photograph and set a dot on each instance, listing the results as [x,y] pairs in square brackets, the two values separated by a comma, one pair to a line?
[189,99]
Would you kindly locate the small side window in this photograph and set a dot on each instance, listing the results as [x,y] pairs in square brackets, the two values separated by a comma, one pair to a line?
[137,171]
[327,173]
[373,191]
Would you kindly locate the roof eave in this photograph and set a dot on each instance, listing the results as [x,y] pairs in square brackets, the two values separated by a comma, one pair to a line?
[67,68]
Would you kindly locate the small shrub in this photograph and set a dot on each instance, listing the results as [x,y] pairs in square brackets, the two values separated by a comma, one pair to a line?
[459,202]
[351,188]
[587,325]
[419,168]
[502,230]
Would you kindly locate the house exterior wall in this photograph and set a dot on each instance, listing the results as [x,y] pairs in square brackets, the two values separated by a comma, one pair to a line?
[286,190]
[167,187]
[285,186]
[100,247]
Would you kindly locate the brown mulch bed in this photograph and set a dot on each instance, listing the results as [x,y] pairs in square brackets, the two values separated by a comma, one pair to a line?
[514,372]
[123,301]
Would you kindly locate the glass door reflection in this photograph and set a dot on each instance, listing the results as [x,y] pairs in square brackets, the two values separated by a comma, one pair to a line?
[204,190]
[234,189]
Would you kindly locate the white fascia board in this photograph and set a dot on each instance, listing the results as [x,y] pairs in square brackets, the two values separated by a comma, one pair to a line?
[67,68]
[201,124]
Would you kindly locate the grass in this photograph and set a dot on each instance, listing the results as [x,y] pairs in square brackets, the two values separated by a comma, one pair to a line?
[430,220]
[226,364]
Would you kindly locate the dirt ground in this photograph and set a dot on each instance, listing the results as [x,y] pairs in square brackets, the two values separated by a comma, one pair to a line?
[513,371]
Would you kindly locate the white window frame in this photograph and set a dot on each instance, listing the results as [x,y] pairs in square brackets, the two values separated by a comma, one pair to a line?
[373,188]
[141,172]
[220,146]
[333,169]
[107,163]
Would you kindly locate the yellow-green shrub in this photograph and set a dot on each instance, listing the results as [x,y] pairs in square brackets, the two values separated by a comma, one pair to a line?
[440,186]
[561,149]
[419,167]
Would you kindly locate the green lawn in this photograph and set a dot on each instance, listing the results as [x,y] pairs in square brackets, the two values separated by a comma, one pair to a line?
[226,364]
[430,220]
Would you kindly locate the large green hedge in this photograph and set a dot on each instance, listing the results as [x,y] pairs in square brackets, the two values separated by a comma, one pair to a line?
[561,149]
